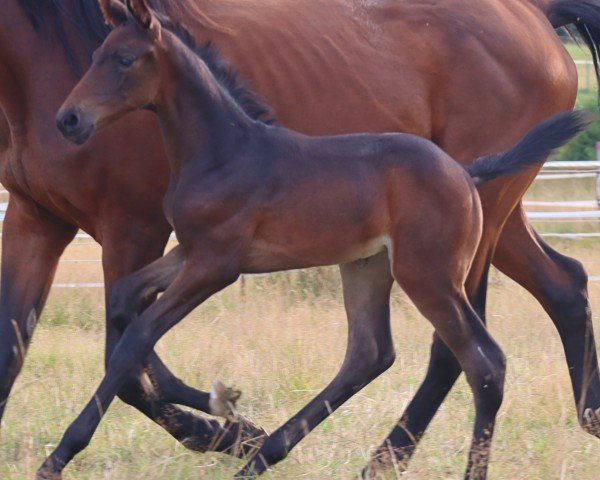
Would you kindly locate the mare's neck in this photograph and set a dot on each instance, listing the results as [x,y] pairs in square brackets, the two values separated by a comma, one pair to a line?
[35,75]
[200,121]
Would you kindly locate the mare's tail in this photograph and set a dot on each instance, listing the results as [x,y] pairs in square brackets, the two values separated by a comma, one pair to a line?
[584,15]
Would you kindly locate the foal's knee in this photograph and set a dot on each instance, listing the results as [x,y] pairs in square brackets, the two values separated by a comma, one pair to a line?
[123,303]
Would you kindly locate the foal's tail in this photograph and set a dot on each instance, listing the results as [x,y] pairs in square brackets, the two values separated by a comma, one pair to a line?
[533,149]
[584,15]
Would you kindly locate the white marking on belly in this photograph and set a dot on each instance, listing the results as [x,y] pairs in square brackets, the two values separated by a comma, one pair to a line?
[387,243]
[372,247]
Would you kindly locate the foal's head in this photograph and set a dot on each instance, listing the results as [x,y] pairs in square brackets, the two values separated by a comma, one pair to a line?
[123,76]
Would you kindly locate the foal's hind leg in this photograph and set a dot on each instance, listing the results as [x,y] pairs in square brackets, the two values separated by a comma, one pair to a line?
[442,300]
[367,285]
[442,372]
[559,283]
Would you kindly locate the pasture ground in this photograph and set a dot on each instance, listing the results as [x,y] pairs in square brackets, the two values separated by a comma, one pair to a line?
[280,345]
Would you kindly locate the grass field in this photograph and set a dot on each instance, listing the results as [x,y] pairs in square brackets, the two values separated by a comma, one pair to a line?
[280,346]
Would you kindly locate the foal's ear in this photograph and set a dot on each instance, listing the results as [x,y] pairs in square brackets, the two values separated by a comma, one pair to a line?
[114,12]
[145,16]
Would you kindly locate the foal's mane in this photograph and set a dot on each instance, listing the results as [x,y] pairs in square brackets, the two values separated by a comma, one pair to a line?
[226,75]
[49,17]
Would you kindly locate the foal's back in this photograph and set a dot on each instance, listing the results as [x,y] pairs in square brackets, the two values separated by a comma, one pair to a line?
[365,161]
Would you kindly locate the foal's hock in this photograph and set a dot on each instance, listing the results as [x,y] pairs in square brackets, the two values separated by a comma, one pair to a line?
[247,197]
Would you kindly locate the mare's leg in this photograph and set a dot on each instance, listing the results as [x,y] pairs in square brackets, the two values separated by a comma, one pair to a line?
[559,283]
[193,285]
[154,389]
[32,242]
[370,352]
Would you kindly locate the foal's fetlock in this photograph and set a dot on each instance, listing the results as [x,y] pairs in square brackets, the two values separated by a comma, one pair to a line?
[222,401]
[590,421]
[479,458]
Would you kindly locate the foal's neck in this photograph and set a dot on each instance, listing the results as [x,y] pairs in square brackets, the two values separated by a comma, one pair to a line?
[200,121]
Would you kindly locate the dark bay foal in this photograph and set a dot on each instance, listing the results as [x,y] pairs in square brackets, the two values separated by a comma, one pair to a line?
[246,197]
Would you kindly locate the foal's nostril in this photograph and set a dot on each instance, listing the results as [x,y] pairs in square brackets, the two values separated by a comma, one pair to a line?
[70,122]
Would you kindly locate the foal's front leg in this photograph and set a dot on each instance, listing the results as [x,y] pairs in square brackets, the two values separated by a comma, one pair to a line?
[129,298]
[192,286]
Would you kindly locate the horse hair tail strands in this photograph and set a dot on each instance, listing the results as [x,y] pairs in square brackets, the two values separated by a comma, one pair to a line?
[533,149]
[584,15]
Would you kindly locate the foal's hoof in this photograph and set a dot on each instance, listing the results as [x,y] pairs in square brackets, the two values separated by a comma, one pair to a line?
[247,438]
[385,459]
[222,401]
[591,422]
[45,473]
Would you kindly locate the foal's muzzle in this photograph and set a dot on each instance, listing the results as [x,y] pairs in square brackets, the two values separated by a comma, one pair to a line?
[72,124]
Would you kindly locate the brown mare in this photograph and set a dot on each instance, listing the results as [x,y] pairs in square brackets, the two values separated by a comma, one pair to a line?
[437,69]
[246,197]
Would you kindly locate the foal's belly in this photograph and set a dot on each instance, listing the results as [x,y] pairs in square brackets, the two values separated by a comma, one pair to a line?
[264,256]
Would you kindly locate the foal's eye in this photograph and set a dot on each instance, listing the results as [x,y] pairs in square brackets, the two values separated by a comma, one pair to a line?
[126,61]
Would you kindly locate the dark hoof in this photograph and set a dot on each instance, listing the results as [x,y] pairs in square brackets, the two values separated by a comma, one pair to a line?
[591,422]
[242,438]
[387,459]
[47,473]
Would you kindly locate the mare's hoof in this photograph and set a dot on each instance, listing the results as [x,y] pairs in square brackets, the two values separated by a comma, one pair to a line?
[222,401]
[591,422]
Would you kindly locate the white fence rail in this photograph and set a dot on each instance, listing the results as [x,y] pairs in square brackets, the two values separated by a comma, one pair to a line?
[569,170]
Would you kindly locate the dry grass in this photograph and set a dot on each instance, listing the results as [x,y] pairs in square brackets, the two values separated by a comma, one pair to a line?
[280,346]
